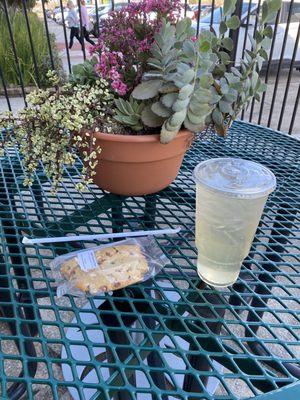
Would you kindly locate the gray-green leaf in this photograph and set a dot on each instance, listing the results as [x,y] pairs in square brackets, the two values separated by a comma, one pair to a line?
[225,107]
[202,95]
[150,119]
[204,46]
[225,58]
[227,43]
[223,27]
[274,5]
[263,54]
[268,31]
[266,43]
[194,127]
[189,49]
[217,117]
[185,92]
[121,105]
[231,96]
[265,11]
[200,113]
[168,88]
[195,118]
[147,90]
[254,80]
[169,99]
[228,7]
[188,76]
[159,109]
[177,118]
[257,36]
[233,22]
[167,133]
[183,26]
[180,104]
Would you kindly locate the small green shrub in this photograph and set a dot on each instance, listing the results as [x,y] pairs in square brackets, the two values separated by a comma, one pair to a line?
[19,3]
[23,49]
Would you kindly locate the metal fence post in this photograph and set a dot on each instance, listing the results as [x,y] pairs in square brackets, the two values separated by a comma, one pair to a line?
[234,35]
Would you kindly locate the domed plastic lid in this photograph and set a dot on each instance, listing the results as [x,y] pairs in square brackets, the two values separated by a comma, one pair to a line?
[235,177]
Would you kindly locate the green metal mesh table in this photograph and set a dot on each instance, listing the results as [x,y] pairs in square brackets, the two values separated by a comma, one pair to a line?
[172,337]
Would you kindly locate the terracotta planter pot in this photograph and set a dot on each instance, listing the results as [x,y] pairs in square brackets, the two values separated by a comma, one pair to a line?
[139,165]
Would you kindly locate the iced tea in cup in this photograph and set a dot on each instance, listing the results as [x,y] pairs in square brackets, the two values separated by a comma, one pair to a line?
[230,197]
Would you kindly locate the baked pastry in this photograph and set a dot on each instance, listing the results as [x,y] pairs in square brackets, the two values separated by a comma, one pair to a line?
[118,267]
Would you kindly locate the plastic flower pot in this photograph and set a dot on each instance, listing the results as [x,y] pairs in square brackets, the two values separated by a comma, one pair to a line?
[139,165]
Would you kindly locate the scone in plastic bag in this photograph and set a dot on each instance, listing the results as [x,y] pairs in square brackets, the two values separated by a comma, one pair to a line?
[107,268]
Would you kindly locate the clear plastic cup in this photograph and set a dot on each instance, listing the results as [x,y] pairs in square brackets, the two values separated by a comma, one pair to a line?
[230,197]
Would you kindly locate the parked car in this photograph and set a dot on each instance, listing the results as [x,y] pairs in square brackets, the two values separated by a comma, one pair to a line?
[102,10]
[55,12]
[292,35]
[291,38]
[58,17]
[206,20]
[280,34]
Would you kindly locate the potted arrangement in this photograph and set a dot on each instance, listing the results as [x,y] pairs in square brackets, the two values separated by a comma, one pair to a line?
[132,110]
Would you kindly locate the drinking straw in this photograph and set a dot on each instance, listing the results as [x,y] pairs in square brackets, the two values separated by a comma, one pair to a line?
[101,236]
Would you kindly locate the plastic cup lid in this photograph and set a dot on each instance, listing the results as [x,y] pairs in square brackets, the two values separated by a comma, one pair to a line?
[235,177]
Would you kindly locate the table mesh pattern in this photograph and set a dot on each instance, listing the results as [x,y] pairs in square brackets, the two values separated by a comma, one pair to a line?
[171,337]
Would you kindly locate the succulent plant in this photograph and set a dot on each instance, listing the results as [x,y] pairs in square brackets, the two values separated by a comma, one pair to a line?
[180,96]
[84,73]
[191,82]
[129,113]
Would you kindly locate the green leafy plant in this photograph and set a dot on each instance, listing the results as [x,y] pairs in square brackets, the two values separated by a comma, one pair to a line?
[191,83]
[19,4]
[84,73]
[24,52]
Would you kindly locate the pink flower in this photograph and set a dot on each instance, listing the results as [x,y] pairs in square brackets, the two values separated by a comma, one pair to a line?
[92,49]
[114,74]
[194,39]
[122,89]
[119,87]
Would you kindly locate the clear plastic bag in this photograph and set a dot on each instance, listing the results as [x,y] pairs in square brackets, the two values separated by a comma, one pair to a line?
[108,267]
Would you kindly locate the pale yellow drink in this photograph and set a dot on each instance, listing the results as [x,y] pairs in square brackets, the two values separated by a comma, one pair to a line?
[230,198]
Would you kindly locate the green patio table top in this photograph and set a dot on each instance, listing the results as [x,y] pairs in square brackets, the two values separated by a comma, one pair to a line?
[172,337]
